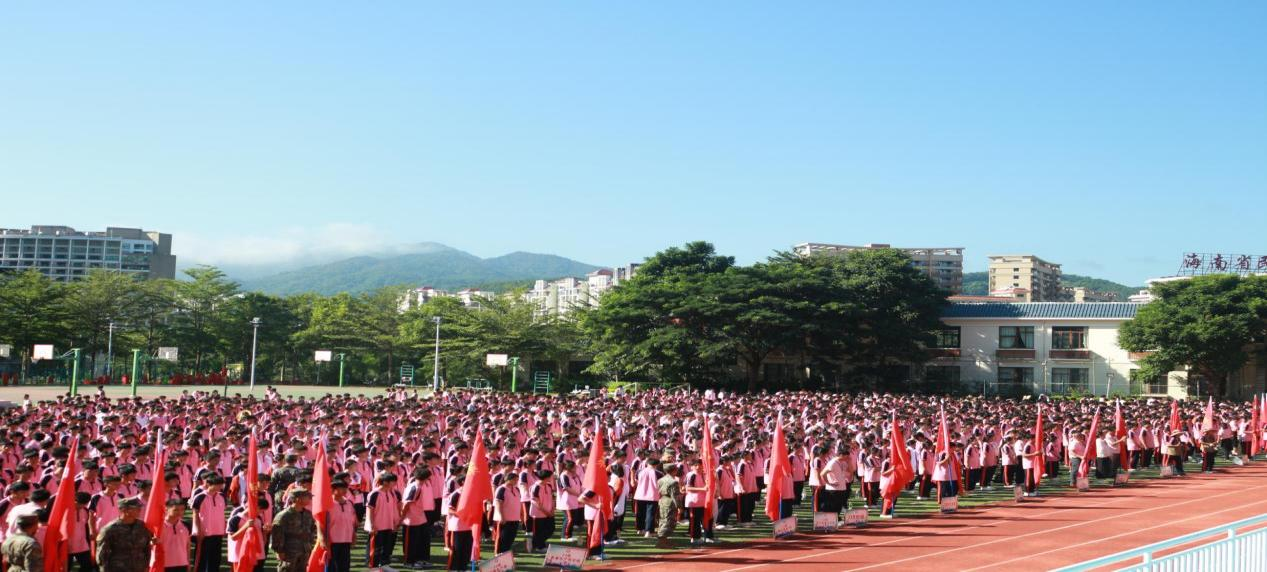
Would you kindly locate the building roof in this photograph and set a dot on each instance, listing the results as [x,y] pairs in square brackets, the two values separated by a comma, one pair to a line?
[1040,310]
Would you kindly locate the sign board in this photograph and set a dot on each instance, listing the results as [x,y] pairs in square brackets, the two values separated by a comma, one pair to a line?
[494,360]
[785,527]
[504,562]
[565,557]
[1167,471]
[856,517]
[42,351]
[1018,493]
[322,355]
[168,354]
[406,378]
[1121,478]
[5,350]
[1201,263]
[826,522]
[949,504]
[1084,484]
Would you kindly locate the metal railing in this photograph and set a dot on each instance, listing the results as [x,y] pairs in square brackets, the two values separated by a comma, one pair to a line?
[1242,552]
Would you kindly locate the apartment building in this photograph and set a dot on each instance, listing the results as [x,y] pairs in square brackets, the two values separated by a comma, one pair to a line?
[65,254]
[1025,278]
[943,265]
[415,297]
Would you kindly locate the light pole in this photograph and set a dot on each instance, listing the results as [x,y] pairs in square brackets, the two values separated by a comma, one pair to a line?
[110,352]
[435,376]
[74,373]
[340,370]
[255,338]
[136,369]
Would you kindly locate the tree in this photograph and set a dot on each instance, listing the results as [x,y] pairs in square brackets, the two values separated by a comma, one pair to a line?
[31,312]
[1206,323]
[202,304]
[100,299]
[656,323]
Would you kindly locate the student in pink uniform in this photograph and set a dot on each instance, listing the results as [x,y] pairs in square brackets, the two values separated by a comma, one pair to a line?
[341,527]
[78,544]
[175,538]
[209,525]
[541,510]
[696,496]
[417,545]
[382,517]
[746,485]
[647,497]
[727,498]
[460,534]
[238,525]
[507,513]
[570,499]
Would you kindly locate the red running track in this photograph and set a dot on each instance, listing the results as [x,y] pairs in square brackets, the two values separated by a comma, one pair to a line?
[1036,534]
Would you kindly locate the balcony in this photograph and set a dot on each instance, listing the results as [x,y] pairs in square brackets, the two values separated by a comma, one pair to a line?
[1137,356]
[1070,354]
[1014,354]
[938,353]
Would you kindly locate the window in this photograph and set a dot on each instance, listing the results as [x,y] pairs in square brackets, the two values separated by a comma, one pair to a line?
[1158,385]
[1016,337]
[1016,376]
[942,374]
[1066,379]
[1069,337]
[947,337]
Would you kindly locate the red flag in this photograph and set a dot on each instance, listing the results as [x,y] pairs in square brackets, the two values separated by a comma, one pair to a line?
[709,457]
[1040,462]
[57,533]
[899,461]
[943,446]
[780,471]
[1253,429]
[156,506]
[596,480]
[252,543]
[1208,423]
[477,490]
[322,501]
[1090,455]
[1119,432]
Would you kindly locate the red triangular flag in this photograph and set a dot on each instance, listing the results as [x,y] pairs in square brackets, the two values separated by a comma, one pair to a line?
[1090,455]
[780,471]
[57,533]
[708,458]
[322,501]
[1119,433]
[156,506]
[899,461]
[252,542]
[1208,423]
[477,490]
[1040,462]
[596,480]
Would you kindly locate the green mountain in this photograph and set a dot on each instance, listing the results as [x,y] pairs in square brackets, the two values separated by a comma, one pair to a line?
[438,266]
[978,284]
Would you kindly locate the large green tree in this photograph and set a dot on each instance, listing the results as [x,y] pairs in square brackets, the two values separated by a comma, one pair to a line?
[1208,324]
[32,311]
[202,306]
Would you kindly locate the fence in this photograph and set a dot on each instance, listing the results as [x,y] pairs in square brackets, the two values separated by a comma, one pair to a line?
[1242,552]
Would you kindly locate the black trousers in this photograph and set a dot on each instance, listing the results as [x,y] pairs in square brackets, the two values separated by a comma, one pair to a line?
[340,557]
[209,556]
[987,475]
[726,508]
[542,530]
[460,551]
[1207,461]
[974,477]
[571,519]
[645,514]
[798,490]
[696,517]
[747,502]
[382,542]
[1104,467]
[83,561]
[504,536]
[176,569]
[417,543]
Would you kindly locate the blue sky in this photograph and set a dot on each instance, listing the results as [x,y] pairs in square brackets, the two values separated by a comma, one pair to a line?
[1110,137]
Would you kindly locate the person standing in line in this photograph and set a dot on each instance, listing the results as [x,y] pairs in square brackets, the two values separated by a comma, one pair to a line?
[506,513]
[340,528]
[124,544]
[21,552]
[209,525]
[175,538]
[670,490]
[294,533]
[382,517]
[541,511]
[696,493]
[417,545]
[646,496]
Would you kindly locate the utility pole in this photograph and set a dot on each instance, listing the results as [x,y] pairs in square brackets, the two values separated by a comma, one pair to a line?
[514,373]
[136,369]
[110,353]
[340,370]
[435,377]
[74,373]
[255,338]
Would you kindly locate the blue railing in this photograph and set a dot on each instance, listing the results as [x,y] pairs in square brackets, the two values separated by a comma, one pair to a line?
[1240,552]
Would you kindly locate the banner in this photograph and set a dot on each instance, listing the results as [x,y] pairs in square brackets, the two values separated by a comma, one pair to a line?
[949,504]
[785,527]
[826,522]
[1120,479]
[856,518]
[1167,471]
[565,557]
[504,562]
[1084,484]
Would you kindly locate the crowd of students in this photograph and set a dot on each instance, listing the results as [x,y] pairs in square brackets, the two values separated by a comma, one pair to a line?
[399,463]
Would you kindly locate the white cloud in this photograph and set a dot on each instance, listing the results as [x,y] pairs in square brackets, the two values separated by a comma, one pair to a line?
[289,245]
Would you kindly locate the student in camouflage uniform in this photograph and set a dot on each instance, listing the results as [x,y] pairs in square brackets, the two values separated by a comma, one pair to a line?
[21,552]
[670,503]
[124,545]
[294,533]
